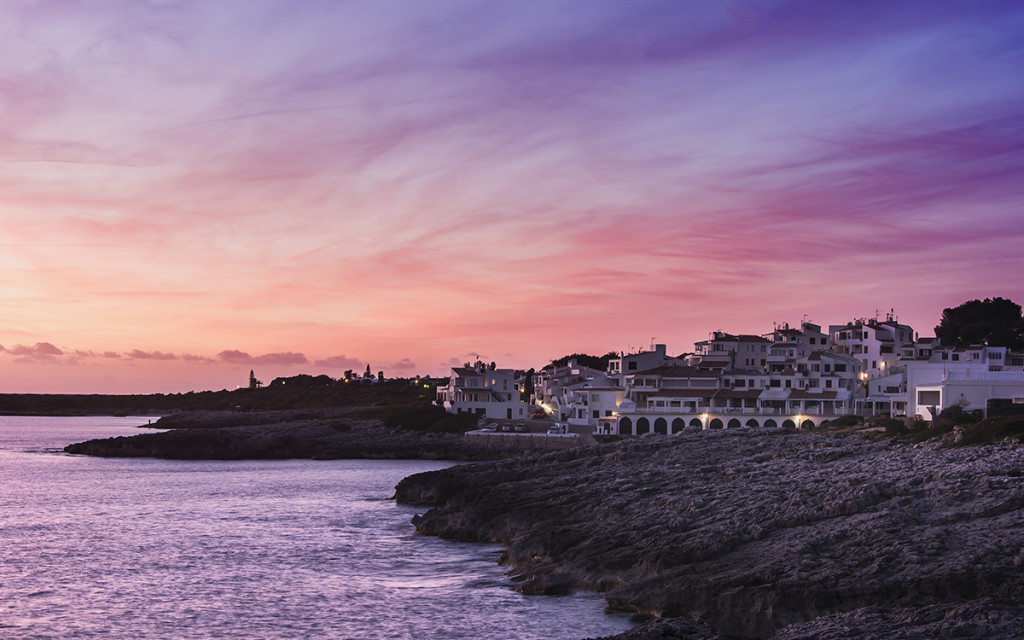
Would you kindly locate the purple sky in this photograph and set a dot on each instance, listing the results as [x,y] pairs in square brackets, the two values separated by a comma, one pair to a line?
[193,189]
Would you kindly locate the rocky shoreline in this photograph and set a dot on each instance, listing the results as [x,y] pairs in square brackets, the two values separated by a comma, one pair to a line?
[755,534]
[281,435]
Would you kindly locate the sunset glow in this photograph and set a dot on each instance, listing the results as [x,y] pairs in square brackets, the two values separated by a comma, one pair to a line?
[194,189]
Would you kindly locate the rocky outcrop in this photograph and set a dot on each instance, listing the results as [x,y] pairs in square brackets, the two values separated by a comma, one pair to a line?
[756,534]
[320,439]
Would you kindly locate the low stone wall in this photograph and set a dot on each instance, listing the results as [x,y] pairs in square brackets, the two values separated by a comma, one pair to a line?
[529,441]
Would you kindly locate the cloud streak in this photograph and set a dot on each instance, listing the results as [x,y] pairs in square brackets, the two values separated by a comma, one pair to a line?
[533,178]
[241,357]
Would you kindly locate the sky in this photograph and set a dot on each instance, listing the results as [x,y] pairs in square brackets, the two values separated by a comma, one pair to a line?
[190,190]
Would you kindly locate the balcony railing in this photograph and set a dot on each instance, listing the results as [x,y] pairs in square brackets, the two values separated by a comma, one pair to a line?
[748,411]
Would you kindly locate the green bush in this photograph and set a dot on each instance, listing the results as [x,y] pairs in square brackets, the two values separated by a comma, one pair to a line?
[454,423]
[947,419]
[993,430]
[893,427]
[417,418]
[843,421]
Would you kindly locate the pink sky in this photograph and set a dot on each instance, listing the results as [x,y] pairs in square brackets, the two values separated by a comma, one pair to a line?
[194,189]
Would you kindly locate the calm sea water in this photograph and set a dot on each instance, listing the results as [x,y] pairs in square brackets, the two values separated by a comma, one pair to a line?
[140,548]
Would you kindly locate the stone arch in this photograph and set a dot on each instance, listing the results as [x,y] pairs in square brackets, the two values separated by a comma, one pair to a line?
[788,424]
[734,424]
[715,424]
[752,423]
[770,423]
[678,425]
[643,425]
[661,426]
[807,424]
[625,427]
[695,422]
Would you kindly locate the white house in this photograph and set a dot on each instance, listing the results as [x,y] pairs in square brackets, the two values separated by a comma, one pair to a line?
[974,377]
[490,393]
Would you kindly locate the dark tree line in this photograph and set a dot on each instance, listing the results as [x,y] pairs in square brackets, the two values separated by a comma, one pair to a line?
[994,321]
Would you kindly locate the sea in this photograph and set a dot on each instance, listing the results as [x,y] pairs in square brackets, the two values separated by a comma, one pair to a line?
[120,548]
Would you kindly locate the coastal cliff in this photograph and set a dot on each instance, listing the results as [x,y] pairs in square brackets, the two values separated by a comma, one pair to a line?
[751,534]
[198,439]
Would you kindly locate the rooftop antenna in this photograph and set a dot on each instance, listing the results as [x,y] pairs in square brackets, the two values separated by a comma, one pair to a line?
[652,343]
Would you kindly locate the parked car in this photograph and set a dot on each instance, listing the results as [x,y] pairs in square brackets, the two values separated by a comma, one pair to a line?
[491,428]
[558,427]
[506,428]
[520,428]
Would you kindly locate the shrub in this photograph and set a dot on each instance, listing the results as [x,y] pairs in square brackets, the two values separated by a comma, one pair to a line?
[454,423]
[993,430]
[893,427]
[843,421]
[948,418]
[417,418]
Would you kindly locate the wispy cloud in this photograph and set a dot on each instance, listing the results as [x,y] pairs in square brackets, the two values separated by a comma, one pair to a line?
[241,357]
[341,362]
[136,354]
[530,178]
[40,352]
[405,364]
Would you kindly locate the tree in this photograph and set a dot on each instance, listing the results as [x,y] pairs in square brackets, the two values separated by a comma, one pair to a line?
[594,362]
[996,322]
[528,387]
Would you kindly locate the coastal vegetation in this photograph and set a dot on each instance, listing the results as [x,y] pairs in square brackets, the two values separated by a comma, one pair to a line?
[296,392]
[997,322]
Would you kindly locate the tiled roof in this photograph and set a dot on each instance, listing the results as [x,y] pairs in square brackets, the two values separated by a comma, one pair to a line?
[739,393]
[803,394]
[677,371]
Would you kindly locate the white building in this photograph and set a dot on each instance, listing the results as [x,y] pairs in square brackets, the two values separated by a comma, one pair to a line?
[729,351]
[974,377]
[626,364]
[490,393]
[876,344]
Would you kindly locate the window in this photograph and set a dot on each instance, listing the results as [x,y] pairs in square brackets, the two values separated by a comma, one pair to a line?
[789,384]
[874,364]
[956,357]
[929,397]
[597,414]
[828,383]
[776,383]
[632,366]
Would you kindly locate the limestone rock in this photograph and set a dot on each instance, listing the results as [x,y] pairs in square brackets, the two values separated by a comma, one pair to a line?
[756,533]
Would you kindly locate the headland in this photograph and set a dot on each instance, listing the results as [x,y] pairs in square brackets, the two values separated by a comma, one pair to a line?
[755,534]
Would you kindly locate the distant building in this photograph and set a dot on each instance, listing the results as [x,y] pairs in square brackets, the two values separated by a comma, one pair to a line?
[486,392]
